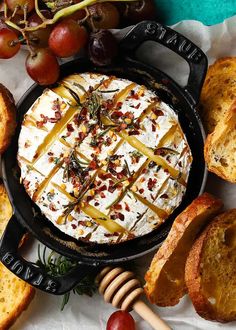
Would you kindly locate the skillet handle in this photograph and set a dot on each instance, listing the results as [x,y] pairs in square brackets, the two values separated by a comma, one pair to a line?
[30,272]
[153,31]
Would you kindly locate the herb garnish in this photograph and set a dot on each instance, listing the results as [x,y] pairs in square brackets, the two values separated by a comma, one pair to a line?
[57,265]
[75,165]
[70,207]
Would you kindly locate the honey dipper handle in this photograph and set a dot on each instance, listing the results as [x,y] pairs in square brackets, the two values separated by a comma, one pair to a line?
[148,315]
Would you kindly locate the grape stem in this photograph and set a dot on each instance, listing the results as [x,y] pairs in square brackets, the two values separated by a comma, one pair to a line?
[36,4]
[61,13]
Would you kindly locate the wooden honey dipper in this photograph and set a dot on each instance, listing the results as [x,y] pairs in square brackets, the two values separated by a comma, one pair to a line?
[122,290]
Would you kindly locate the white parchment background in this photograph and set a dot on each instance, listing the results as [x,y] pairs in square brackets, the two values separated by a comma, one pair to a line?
[84,313]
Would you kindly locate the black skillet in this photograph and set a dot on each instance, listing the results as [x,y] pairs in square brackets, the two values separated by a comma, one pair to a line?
[91,256]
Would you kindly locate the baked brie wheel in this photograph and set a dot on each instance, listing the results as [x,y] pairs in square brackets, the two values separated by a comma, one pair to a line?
[103,158]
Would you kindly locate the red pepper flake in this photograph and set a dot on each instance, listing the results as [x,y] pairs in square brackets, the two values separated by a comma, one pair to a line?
[165,196]
[70,128]
[153,128]
[89,198]
[134,132]
[50,153]
[83,223]
[81,136]
[123,126]
[134,95]
[159,152]
[102,195]
[96,204]
[73,226]
[119,106]
[141,191]
[137,106]
[180,163]
[111,235]
[102,188]
[52,207]
[121,216]
[111,188]
[129,115]
[127,208]
[116,114]
[151,183]
[117,207]
[104,176]
[51,159]
[120,175]
[26,184]
[93,165]
[158,112]
[27,144]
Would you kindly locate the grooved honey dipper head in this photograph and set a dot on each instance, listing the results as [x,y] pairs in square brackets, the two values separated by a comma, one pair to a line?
[119,287]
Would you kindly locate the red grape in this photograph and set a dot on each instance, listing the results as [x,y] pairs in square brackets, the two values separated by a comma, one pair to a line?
[78,15]
[42,66]
[67,38]
[9,44]
[103,16]
[102,48]
[21,4]
[120,320]
[39,38]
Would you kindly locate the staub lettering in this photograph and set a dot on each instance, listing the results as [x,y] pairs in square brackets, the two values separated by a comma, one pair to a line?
[171,38]
[29,274]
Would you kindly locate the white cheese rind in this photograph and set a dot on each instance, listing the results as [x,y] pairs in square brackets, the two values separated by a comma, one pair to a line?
[153,183]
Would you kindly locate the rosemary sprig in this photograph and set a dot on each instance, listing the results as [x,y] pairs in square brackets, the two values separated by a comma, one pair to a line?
[70,207]
[74,164]
[168,150]
[126,166]
[57,265]
[73,94]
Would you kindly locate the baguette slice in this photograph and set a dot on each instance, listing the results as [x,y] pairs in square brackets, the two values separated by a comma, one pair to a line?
[220,147]
[165,283]
[211,270]
[15,294]
[7,117]
[5,209]
[218,92]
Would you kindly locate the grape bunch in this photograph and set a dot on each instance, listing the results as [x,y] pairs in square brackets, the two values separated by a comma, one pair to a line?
[53,29]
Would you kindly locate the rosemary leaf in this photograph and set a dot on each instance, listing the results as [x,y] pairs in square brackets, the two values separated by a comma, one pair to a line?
[57,265]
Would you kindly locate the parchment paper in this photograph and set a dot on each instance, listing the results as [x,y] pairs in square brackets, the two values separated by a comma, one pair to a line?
[86,313]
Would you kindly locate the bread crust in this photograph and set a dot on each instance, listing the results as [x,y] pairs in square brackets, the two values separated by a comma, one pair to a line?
[165,284]
[218,92]
[29,292]
[214,144]
[7,118]
[193,272]
[18,288]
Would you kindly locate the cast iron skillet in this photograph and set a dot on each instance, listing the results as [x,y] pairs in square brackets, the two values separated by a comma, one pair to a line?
[91,256]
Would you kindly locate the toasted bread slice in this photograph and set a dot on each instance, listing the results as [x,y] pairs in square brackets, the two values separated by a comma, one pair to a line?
[220,147]
[7,118]
[5,209]
[218,92]
[15,294]
[165,283]
[211,270]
